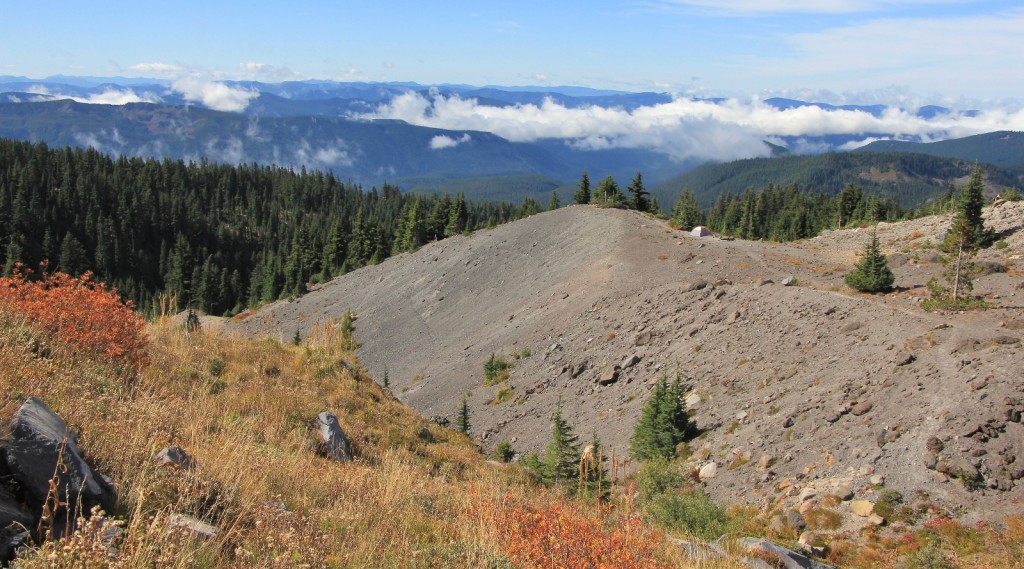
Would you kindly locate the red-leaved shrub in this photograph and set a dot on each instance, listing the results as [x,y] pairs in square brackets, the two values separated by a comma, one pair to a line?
[85,314]
[569,537]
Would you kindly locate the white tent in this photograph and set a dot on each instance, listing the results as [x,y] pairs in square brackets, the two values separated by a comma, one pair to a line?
[701,231]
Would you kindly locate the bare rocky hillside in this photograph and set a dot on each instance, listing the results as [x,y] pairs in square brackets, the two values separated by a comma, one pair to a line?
[803,389]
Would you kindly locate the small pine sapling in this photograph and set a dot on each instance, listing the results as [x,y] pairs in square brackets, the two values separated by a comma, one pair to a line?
[872,273]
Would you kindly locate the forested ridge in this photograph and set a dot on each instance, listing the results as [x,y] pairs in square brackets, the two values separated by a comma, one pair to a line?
[218,238]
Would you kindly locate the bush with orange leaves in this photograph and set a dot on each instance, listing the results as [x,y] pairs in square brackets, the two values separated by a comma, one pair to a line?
[77,311]
[567,536]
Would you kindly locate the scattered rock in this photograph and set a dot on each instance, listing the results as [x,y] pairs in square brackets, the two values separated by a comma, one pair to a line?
[765,462]
[1006,340]
[877,479]
[795,520]
[851,327]
[692,400]
[696,285]
[708,471]
[630,361]
[609,376]
[934,445]
[197,528]
[862,508]
[333,443]
[876,520]
[904,358]
[764,281]
[787,558]
[861,408]
[175,456]
[643,339]
[789,281]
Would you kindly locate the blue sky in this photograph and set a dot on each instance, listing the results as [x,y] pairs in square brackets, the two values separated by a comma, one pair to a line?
[844,50]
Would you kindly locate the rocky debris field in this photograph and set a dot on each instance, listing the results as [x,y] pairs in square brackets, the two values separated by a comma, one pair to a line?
[808,395]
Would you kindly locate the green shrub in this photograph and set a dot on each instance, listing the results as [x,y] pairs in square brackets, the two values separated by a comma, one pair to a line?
[496,370]
[503,452]
[670,499]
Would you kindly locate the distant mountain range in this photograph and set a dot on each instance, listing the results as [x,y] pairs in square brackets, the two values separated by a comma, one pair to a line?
[318,125]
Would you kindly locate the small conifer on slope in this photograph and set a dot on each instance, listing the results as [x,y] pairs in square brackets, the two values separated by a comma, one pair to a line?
[872,273]
[664,422]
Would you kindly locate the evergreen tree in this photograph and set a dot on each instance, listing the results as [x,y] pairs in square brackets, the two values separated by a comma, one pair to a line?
[960,269]
[529,207]
[664,422]
[553,203]
[968,217]
[608,193]
[457,217]
[462,418]
[639,201]
[582,195]
[686,214]
[872,273]
[562,456]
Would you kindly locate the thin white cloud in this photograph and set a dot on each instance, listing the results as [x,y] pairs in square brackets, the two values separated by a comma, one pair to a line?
[155,67]
[111,96]
[214,94]
[268,73]
[442,141]
[684,128]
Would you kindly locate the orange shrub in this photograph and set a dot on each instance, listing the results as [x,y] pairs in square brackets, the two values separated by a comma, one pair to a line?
[78,311]
[568,537]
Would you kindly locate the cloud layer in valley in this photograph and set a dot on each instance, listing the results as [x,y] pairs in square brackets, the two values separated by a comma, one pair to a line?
[685,128]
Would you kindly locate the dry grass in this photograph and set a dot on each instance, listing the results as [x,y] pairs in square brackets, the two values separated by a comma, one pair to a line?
[245,411]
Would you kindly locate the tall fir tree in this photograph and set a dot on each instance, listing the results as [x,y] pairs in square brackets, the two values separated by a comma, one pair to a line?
[639,200]
[462,418]
[582,195]
[686,214]
[553,203]
[968,217]
[562,455]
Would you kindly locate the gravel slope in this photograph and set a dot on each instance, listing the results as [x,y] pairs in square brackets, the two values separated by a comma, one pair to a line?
[809,386]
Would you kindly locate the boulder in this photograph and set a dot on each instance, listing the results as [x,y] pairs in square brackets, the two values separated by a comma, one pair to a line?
[14,528]
[333,443]
[787,558]
[708,471]
[630,361]
[38,440]
[609,376]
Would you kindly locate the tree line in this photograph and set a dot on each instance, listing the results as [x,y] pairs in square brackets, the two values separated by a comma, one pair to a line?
[215,237]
